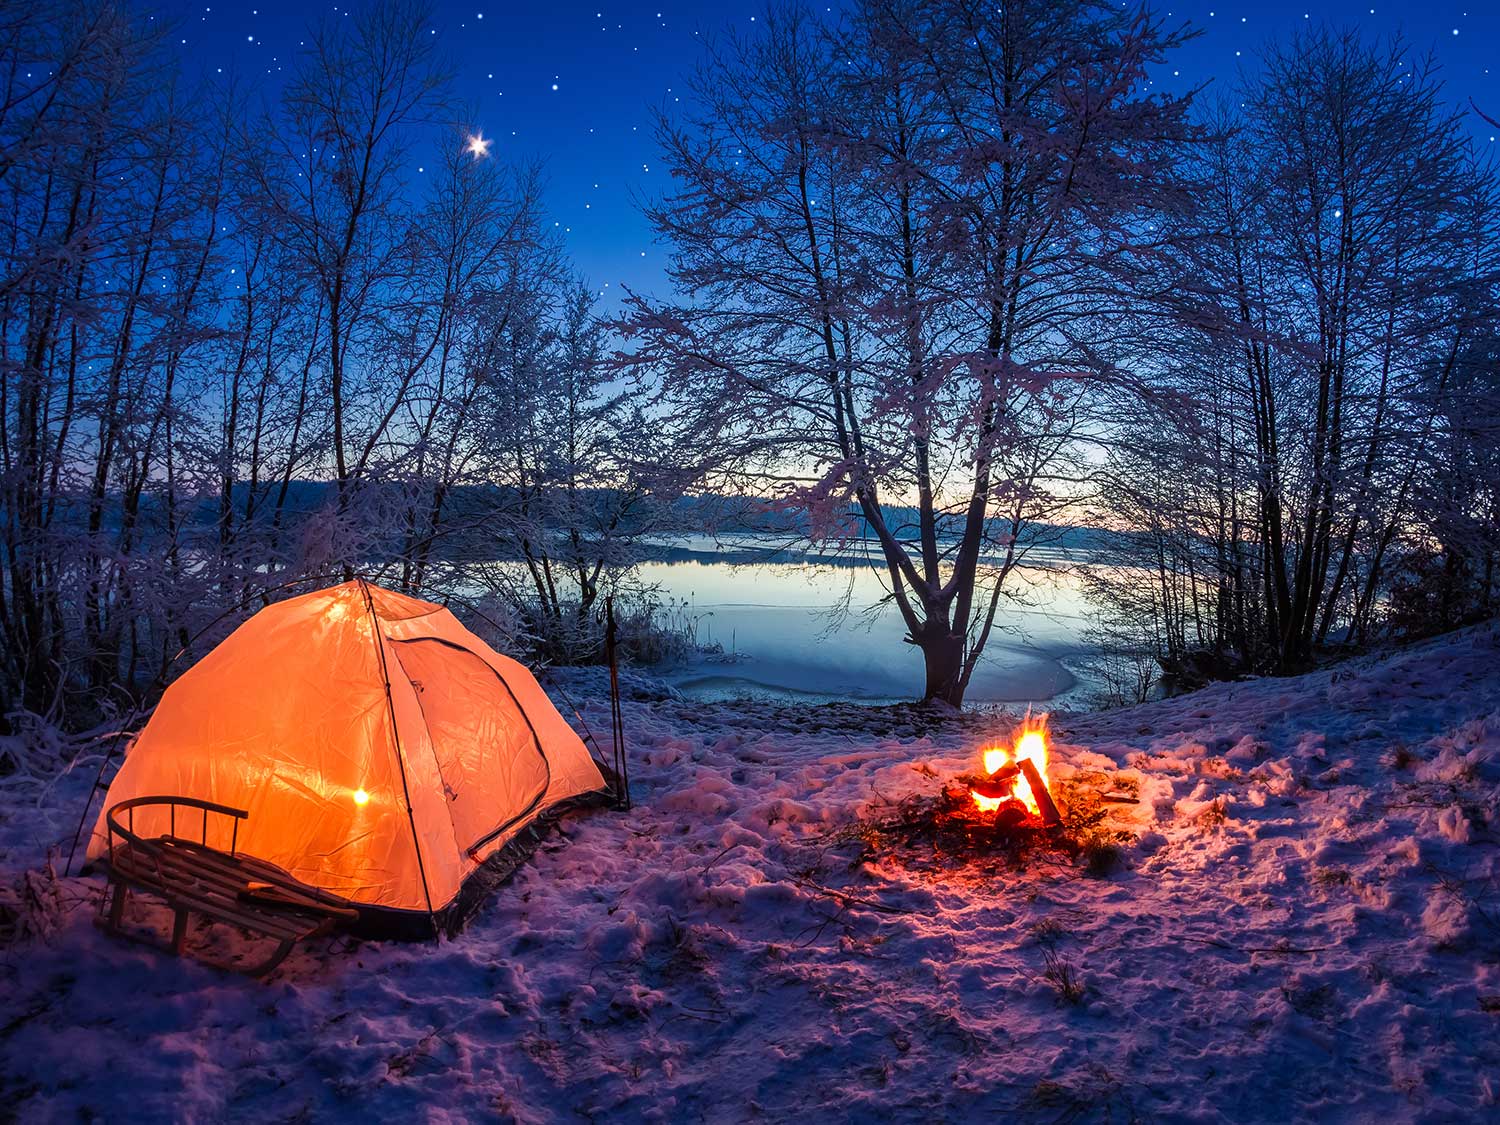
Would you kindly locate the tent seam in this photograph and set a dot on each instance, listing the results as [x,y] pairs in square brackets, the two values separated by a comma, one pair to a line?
[432,747]
[390,708]
[536,741]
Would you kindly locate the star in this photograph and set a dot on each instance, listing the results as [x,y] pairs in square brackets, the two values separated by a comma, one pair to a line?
[478,145]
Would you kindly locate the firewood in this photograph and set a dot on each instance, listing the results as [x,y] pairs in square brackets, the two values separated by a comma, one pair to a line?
[1050,816]
[999,784]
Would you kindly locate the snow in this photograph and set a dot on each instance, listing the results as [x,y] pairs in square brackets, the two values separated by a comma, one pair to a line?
[1305,928]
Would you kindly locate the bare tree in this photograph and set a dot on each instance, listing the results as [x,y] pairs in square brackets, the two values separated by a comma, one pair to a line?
[483,228]
[84,221]
[903,237]
[332,191]
[1342,271]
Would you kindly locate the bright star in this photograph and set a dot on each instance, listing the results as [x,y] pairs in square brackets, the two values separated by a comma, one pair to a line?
[478,145]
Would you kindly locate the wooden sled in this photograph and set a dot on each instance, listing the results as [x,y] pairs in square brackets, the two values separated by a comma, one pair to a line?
[193,878]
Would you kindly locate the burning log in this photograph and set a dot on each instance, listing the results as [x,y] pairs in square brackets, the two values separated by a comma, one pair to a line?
[1011,815]
[1050,816]
[998,786]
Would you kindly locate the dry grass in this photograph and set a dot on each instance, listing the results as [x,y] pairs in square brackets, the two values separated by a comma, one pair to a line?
[1092,1094]
[1214,814]
[1061,974]
[1101,860]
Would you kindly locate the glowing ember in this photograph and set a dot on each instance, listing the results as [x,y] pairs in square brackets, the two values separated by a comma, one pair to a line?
[1031,742]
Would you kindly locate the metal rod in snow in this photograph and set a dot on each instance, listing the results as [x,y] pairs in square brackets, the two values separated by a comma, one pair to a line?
[616,713]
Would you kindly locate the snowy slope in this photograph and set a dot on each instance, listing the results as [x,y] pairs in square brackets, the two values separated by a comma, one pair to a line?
[1306,928]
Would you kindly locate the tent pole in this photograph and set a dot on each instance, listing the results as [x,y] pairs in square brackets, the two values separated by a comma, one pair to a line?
[99,783]
[590,739]
[390,708]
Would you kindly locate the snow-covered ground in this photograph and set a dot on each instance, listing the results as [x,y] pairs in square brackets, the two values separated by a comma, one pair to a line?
[1307,927]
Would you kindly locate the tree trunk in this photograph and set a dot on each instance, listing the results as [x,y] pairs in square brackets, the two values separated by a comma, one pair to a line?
[943,658]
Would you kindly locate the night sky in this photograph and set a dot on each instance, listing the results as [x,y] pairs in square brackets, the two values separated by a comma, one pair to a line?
[573,84]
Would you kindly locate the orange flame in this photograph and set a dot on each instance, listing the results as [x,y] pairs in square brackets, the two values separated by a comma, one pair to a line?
[1031,742]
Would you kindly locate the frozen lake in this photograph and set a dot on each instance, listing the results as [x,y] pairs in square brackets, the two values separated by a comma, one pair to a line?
[800,627]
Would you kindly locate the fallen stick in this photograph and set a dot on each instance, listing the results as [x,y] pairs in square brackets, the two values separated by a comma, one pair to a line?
[1258,948]
[847,900]
[1051,818]
[720,856]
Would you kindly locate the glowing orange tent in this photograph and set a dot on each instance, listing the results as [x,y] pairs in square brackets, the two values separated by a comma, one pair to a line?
[382,751]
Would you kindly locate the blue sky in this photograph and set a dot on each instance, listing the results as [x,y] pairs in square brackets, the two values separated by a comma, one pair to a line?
[574,84]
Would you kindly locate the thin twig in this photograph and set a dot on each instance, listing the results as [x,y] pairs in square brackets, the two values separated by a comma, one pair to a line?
[720,856]
[852,900]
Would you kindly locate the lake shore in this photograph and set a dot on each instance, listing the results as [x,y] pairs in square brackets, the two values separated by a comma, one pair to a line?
[795,625]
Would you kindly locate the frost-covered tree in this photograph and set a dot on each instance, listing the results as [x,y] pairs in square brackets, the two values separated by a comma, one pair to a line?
[1339,267]
[240,352]
[481,244]
[332,189]
[900,241]
[585,472]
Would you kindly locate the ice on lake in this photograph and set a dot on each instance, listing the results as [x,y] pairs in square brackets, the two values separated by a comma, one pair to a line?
[803,627]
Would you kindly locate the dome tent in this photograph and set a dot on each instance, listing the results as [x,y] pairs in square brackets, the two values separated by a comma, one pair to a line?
[382,751]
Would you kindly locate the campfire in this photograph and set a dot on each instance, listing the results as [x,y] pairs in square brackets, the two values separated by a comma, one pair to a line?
[1013,785]
[1005,814]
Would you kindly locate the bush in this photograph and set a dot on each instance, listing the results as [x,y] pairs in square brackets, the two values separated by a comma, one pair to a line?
[1433,592]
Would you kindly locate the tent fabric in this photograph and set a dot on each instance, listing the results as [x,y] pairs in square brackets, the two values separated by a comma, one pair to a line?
[382,751]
